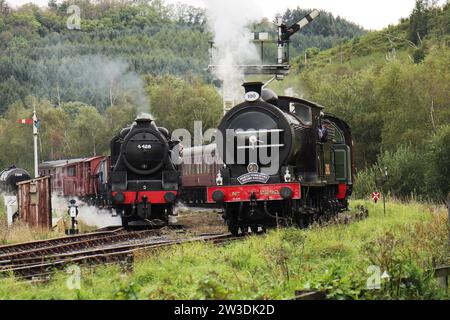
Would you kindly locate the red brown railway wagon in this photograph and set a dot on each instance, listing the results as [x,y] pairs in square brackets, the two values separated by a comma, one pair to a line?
[199,169]
[76,177]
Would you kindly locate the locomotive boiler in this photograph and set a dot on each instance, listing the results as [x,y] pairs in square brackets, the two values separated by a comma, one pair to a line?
[144,182]
[285,161]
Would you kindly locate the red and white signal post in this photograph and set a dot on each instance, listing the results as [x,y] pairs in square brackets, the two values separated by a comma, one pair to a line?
[36,125]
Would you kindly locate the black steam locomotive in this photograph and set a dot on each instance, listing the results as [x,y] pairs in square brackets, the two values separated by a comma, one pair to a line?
[143,182]
[10,177]
[285,161]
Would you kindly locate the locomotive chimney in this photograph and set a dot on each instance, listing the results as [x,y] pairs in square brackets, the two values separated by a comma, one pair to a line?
[253,87]
[143,121]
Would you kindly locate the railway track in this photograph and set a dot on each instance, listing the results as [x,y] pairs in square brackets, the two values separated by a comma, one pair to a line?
[38,263]
[53,251]
[20,247]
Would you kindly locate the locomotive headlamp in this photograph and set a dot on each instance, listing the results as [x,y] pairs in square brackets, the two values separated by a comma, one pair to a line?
[170,197]
[287,176]
[218,196]
[286,193]
[253,141]
[219,179]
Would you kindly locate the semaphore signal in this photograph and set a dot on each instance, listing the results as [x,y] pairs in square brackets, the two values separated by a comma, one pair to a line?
[36,126]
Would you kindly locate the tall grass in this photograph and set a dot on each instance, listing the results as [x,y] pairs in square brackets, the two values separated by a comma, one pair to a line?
[20,232]
[406,242]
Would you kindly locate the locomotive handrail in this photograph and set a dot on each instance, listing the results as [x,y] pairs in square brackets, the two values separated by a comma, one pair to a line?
[258,131]
[261,146]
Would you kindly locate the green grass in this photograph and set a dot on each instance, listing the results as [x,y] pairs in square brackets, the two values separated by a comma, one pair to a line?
[406,241]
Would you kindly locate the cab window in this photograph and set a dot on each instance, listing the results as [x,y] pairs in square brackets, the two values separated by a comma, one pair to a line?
[302,111]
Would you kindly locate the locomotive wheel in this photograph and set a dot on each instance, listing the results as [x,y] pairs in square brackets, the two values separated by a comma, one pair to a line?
[303,221]
[254,229]
[125,222]
[232,221]
[233,228]
[244,230]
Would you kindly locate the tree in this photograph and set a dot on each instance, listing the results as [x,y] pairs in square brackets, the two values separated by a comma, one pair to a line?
[87,131]
[55,139]
[418,24]
[437,178]
[177,103]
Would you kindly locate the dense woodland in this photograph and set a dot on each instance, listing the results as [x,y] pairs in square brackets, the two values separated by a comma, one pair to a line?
[393,86]
[41,57]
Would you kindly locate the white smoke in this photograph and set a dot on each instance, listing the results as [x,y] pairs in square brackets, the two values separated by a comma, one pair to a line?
[229,20]
[180,208]
[107,79]
[87,214]
[59,206]
[145,115]
[291,92]
[99,218]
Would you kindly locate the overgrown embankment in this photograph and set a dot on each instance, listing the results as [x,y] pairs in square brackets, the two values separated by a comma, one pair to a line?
[405,242]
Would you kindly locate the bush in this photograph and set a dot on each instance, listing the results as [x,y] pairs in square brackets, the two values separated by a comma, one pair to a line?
[406,171]
[365,183]
[437,178]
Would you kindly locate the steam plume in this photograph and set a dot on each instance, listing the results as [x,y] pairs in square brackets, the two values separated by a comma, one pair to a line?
[229,21]
[89,215]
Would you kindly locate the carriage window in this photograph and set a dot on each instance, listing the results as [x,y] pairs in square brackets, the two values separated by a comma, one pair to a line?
[71,171]
[301,111]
